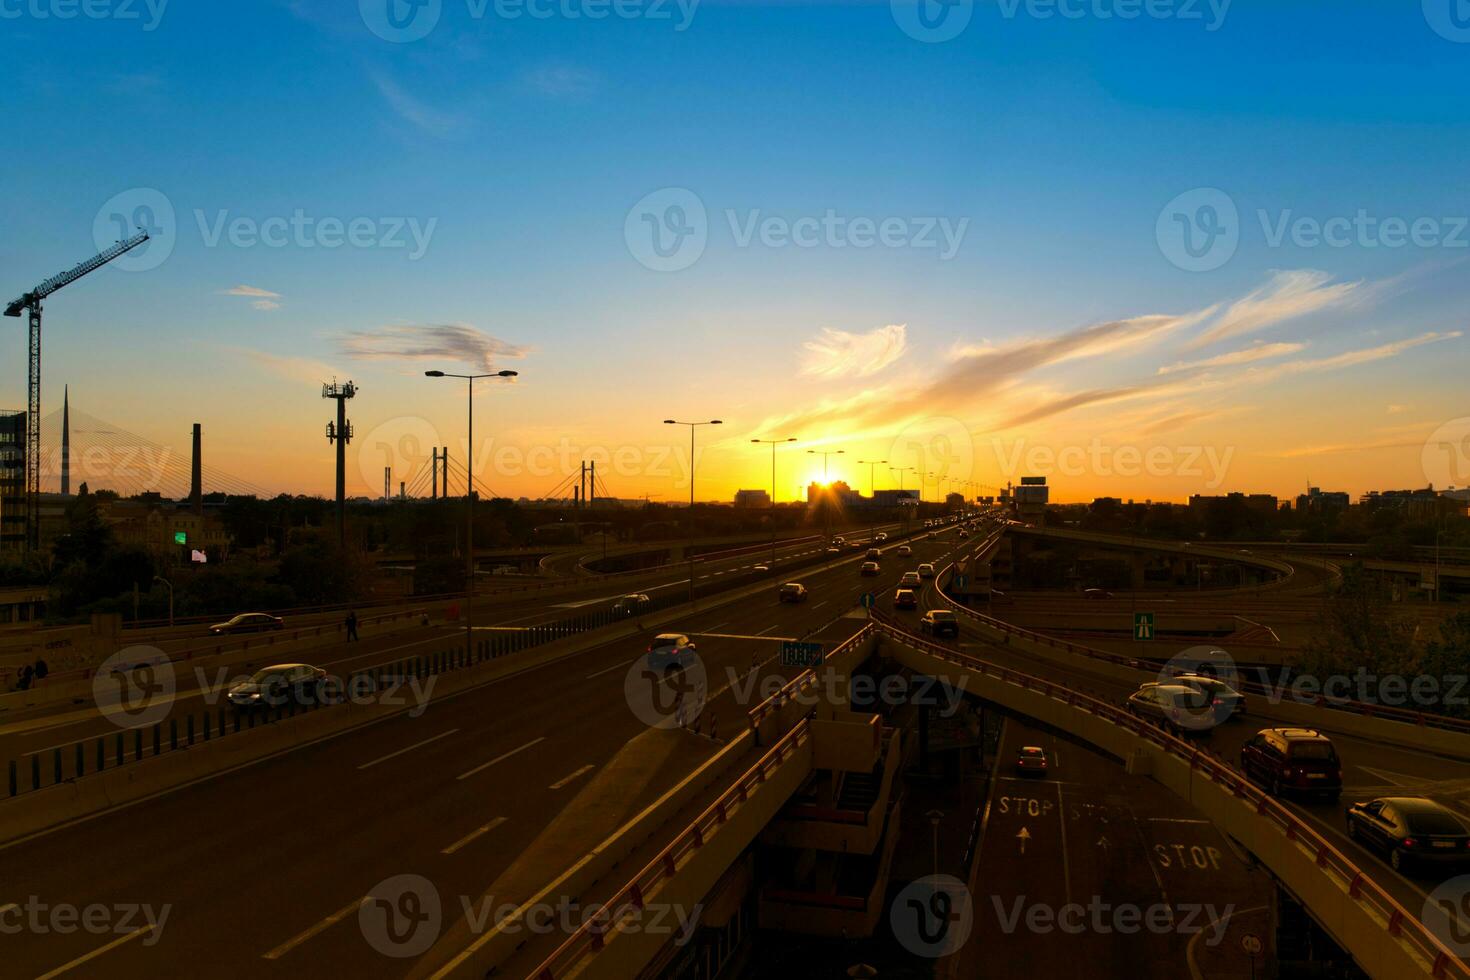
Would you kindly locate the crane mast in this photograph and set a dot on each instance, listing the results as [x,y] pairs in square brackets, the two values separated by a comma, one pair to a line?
[31,302]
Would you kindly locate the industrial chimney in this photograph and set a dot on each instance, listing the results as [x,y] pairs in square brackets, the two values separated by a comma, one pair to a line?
[196,485]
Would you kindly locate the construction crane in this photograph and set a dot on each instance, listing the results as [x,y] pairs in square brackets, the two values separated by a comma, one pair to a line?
[32,301]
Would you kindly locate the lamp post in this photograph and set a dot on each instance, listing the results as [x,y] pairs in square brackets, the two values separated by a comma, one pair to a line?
[170,586]
[690,547]
[872,464]
[469,496]
[773,443]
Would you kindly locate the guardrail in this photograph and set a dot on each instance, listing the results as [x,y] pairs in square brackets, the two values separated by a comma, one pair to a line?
[1419,718]
[590,938]
[1360,887]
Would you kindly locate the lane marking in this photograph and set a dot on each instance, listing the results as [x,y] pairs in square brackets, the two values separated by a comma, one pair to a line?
[321,926]
[500,758]
[585,769]
[472,835]
[1066,861]
[408,748]
[608,670]
[86,957]
[741,636]
[1174,820]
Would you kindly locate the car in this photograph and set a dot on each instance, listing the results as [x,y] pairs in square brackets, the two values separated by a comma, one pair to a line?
[868,568]
[1031,761]
[670,653]
[248,623]
[792,592]
[839,541]
[905,599]
[278,685]
[632,604]
[760,568]
[926,570]
[834,550]
[1178,707]
[904,551]
[1096,594]
[940,622]
[1293,760]
[873,554]
[1230,701]
[963,533]
[1412,830]
[881,536]
[910,580]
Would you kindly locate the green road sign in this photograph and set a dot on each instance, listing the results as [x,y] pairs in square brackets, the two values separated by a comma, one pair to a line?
[794,653]
[1143,626]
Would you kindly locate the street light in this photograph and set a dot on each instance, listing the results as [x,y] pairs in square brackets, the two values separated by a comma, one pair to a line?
[690,547]
[901,498]
[469,496]
[873,489]
[773,443]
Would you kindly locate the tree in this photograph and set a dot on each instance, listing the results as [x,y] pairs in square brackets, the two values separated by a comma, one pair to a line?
[1356,629]
[1447,661]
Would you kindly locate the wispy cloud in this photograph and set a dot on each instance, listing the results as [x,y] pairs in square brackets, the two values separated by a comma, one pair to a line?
[1287,296]
[562,81]
[1249,355]
[840,354]
[1351,358]
[263,299]
[415,111]
[449,341]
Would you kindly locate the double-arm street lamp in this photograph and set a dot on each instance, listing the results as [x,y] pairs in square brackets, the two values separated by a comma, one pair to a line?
[469,496]
[773,443]
[690,547]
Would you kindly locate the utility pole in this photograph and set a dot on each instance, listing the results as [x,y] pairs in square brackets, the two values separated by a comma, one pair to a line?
[773,443]
[872,465]
[340,433]
[690,546]
[434,481]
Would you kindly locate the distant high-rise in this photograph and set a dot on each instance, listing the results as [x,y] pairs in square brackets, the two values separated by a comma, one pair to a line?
[66,441]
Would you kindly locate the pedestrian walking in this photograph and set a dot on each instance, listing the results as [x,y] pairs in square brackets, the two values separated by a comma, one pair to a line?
[352,626]
[23,682]
[40,670]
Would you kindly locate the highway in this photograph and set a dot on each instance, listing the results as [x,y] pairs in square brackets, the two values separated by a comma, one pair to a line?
[1370,769]
[263,867]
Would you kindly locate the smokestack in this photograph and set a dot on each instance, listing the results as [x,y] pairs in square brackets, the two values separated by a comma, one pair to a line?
[66,441]
[434,494]
[196,483]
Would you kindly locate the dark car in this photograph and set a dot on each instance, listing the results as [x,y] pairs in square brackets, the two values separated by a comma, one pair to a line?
[1178,707]
[277,686]
[632,605]
[869,568]
[905,599]
[940,622]
[1096,594]
[1411,829]
[671,653]
[248,623]
[1226,698]
[1031,761]
[873,554]
[792,592]
[1293,760]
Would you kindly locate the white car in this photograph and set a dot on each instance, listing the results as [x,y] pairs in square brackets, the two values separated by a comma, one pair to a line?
[904,551]
[926,570]
[910,580]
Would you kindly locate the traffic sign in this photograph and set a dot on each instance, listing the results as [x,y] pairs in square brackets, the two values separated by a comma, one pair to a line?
[795,653]
[869,600]
[1143,626]
[1251,943]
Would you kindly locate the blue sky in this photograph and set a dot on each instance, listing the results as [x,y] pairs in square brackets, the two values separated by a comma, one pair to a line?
[521,145]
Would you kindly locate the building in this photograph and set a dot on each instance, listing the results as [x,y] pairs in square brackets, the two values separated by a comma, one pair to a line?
[752,498]
[1031,498]
[955,500]
[1314,501]
[12,481]
[1261,503]
[1425,503]
[895,498]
